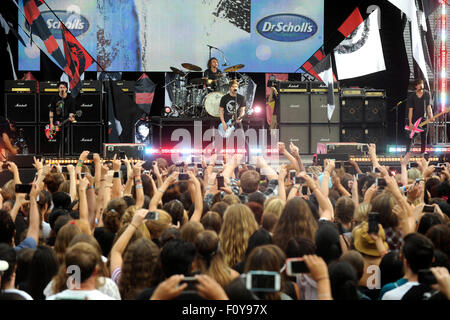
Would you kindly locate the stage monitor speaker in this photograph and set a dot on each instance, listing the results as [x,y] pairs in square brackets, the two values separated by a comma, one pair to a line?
[298,134]
[352,110]
[352,134]
[47,147]
[294,108]
[91,105]
[86,137]
[323,133]
[44,101]
[21,107]
[319,108]
[375,106]
[27,133]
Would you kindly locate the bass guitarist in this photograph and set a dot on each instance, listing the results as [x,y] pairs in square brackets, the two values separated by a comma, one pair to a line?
[62,107]
[419,107]
[232,105]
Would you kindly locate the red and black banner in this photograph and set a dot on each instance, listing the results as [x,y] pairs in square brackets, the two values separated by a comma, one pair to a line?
[308,66]
[145,90]
[78,59]
[39,28]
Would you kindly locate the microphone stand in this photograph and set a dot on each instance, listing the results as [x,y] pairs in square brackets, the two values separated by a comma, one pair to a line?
[396,121]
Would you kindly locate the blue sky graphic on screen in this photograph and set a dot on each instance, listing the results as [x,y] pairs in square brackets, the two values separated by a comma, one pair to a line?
[139,35]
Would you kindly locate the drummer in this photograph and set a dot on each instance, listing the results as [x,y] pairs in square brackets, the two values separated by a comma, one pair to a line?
[212,73]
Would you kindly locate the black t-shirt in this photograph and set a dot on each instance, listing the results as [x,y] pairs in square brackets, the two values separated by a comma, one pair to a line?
[212,75]
[61,107]
[228,103]
[419,105]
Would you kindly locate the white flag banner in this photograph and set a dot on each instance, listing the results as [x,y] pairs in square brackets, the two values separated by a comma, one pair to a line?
[409,8]
[361,52]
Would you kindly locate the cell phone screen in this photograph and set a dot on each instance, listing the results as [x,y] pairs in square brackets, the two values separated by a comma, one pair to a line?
[191,283]
[220,182]
[183,177]
[266,281]
[373,222]
[151,215]
[292,174]
[304,190]
[381,182]
[23,188]
[300,180]
[428,208]
[296,266]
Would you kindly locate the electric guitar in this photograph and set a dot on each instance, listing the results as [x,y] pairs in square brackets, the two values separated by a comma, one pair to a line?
[230,124]
[51,134]
[417,126]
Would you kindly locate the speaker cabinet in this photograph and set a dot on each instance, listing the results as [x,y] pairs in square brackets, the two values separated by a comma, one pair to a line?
[323,133]
[352,110]
[375,135]
[352,134]
[86,137]
[44,101]
[27,133]
[91,105]
[375,110]
[21,107]
[319,109]
[47,147]
[298,134]
[294,108]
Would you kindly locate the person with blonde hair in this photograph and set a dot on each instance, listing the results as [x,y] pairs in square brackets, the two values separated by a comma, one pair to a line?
[238,225]
[209,259]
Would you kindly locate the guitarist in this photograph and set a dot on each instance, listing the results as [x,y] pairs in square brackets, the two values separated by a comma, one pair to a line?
[228,108]
[419,106]
[62,106]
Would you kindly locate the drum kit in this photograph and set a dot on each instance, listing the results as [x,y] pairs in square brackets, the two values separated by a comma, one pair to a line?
[199,97]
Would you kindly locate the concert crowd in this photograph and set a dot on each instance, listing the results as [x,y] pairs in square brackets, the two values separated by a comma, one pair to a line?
[125,229]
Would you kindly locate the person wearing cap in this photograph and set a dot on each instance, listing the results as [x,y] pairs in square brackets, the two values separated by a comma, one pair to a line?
[372,247]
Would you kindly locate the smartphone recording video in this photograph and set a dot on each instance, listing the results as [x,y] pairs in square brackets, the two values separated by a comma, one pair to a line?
[428,208]
[295,266]
[151,215]
[264,281]
[381,182]
[23,188]
[220,182]
[183,177]
[300,180]
[373,222]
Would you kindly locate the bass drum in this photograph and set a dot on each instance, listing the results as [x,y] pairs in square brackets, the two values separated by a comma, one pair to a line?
[212,103]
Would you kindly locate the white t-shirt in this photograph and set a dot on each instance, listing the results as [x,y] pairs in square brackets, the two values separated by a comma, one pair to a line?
[398,293]
[109,288]
[46,229]
[80,295]
[24,294]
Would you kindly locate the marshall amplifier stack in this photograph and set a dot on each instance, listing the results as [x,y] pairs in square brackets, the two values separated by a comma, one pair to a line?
[20,107]
[29,108]
[303,115]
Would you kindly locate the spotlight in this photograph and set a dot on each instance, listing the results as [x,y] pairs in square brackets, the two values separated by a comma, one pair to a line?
[258,109]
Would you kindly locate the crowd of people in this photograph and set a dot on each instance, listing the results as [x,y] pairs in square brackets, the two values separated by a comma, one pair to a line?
[135,230]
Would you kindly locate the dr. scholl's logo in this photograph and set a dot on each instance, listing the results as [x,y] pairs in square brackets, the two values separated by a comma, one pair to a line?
[286,27]
[76,23]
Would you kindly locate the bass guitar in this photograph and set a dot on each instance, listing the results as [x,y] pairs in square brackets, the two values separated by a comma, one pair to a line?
[417,126]
[51,134]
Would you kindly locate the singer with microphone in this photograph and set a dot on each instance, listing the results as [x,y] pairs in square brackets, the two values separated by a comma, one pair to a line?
[212,73]
[419,107]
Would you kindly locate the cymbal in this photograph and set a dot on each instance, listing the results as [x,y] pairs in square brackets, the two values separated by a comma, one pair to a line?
[234,68]
[191,67]
[178,71]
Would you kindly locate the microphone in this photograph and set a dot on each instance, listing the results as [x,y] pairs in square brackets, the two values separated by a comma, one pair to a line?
[212,47]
